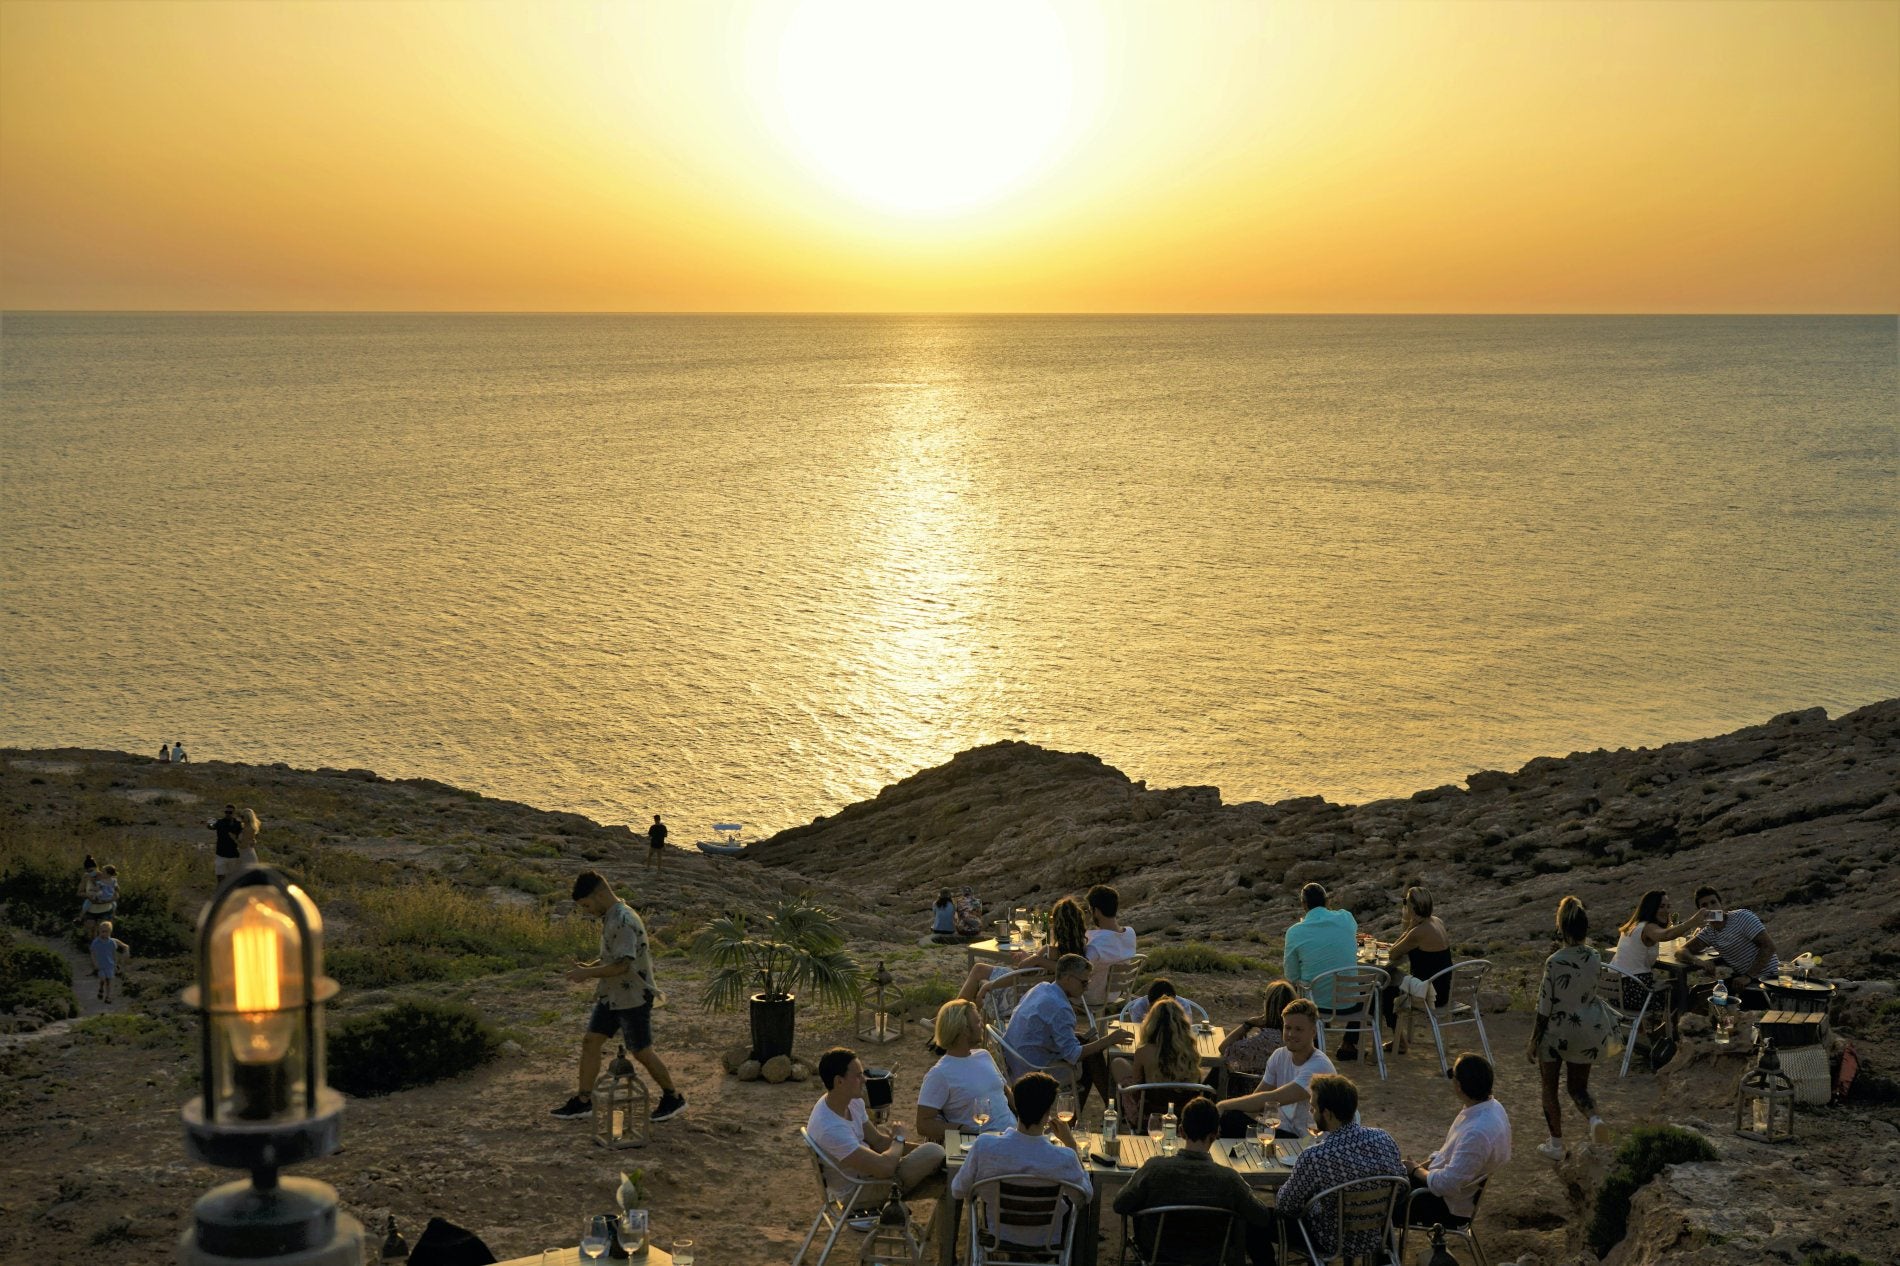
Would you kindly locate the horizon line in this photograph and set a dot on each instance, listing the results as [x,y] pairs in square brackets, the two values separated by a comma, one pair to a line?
[869,312]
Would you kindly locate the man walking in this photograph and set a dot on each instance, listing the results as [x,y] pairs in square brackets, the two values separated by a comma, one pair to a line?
[656,843]
[623,998]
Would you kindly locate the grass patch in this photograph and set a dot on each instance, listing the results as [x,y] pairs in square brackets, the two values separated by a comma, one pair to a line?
[407,1045]
[1198,957]
[927,995]
[126,1028]
[1643,1155]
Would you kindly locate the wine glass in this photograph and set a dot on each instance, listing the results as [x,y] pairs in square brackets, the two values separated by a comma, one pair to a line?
[594,1238]
[682,1253]
[1262,1140]
[1065,1107]
[633,1231]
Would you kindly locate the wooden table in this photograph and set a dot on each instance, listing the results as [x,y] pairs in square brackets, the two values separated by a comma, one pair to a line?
[1263,1171]
[572,1257]
[993,951]
[1675,958]
[1206,1045]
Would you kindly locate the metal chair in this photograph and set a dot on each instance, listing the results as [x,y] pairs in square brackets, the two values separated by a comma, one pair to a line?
[1361,1213]
[1465,1231]
[1173,1094]
[1023,1220]
[1463,980]
[1195,1011]
[1117,982]
[1004,992]
[1009,1059]
[842,1207]
[1648,1024]
[1355,996]
[1197,1222]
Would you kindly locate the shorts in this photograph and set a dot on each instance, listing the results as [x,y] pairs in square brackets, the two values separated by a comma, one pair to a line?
[635,1024]
[222,866]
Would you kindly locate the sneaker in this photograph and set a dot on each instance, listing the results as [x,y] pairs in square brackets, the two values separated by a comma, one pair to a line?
[1551,1149]
[1347,1054]
[671,1105]
[574,1109]
[1599,1130]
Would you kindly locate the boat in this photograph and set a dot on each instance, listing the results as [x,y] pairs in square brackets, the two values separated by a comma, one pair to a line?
[728,843]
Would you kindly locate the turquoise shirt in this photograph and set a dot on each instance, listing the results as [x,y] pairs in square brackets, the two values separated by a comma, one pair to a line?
[1324,940]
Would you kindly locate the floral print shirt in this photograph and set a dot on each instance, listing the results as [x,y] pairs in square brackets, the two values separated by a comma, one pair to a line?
[1577,1024]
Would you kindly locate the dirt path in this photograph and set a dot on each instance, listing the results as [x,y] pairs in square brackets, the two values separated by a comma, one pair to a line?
[85,990]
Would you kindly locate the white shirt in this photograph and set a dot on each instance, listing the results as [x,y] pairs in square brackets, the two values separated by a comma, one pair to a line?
[836,1136]
[1477,1144]
[1105,946]
[995,1155]
[1281,1069]
[956,1084]
[1633,958]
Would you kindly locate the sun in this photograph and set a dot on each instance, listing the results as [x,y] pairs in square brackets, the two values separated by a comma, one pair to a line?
[925,107]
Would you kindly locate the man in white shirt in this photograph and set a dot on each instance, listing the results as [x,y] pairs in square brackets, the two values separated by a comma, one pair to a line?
[1024,1149]
[1042,1031]
[1110,941]
[1290,1071]
[843,1131]
[1445,1187]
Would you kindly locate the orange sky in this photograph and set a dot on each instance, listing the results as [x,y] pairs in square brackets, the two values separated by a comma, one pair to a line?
[1023,155]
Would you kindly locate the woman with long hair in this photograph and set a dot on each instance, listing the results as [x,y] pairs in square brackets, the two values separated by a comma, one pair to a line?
[247,837]
[1573,1026]
[1422,951]
[1068,934]
[1164,1052]
[1247,1046]
[1640,939]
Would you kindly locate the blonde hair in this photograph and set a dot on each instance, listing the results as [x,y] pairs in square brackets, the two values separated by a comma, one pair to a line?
[105,927]
[1166,1028]
[251,815]
[1302,1006]
[1573,921]
[1418,900]
[959,1023]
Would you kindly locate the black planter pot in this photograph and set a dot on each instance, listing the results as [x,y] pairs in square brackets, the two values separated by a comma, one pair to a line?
[772,1022]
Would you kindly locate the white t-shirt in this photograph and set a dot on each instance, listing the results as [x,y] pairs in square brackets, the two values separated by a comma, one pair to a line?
[1633,958]
[956,1084]
[1280,1070]
[836,1136]
[1111,947]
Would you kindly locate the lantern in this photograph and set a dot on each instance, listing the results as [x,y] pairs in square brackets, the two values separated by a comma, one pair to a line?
[1764,1101]
[263,1103]
[893,1240]
[882,1024]
[620,1105]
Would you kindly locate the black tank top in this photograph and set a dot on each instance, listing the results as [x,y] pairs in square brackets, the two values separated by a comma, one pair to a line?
[1428,963]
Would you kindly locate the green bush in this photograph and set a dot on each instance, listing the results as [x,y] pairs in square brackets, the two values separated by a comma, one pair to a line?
[150,924]
[930,993]
[409,1044]
[1644,1154]
[401,965]
[1196,957]
[29,962]
[48,998]
[41,892]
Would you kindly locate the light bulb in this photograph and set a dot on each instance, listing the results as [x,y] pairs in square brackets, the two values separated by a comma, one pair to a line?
[262,948]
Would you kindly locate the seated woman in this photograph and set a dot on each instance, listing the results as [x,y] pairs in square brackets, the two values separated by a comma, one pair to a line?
[1422,951]
[1068,934]
[943,918]
[1248,1045]
[1639,941]
[969,918]
[965,1083]
[1165,1052]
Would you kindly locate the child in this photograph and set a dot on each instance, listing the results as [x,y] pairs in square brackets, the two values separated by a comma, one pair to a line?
[105,958]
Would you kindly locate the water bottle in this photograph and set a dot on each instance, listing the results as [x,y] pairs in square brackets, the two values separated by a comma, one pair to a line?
[1170,1130]
[1111,1126]
[1718,1000]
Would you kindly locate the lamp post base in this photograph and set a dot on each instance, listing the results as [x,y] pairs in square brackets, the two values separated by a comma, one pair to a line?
[346,1248]
[294,1223]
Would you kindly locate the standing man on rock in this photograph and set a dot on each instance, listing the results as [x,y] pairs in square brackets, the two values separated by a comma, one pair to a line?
[656,843]
[623,998]
[229,828]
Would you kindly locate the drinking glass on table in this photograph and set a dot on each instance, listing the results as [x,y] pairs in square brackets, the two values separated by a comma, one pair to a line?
[682,1253]
[981,1117]
[1065,1107]
[633,1230]
[1262,1136]
[594,1238]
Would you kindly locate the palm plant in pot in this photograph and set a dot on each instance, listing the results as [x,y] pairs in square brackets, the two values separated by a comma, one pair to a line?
[795,946]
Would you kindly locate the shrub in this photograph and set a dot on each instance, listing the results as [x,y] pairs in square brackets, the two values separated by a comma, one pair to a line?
[356,968]
[1644,1154]
[930,993]
[41,890]
[409,1044]
[436,915]
[47,998]
[30,962]
[1197,957]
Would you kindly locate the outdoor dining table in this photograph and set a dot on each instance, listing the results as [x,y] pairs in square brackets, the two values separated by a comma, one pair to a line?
[654,1256]
[1262,1167]
[1681,963]
[990,950]
[1206,1044]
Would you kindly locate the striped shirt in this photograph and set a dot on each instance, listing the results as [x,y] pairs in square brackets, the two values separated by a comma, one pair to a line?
[1734,943]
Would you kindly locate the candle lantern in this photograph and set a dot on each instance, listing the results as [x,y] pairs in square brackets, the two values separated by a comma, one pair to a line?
[621,1105]
[1764,1101]
[263,1104]
[881,1022]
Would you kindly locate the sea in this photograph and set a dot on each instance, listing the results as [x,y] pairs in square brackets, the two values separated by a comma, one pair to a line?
[755,568]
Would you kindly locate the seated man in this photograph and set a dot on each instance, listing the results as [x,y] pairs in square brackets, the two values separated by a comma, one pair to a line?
[1042,1031]
[1290,1071]
[1346,1152]
[843,1131]
[1024,1149]
[1325,940]
[1193,1176]
[1445,1187]
[1739,940]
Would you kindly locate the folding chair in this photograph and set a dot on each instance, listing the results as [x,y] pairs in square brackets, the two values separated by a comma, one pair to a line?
[1009,1059]
[1463,981]
[1023,1220]
[1195,1011]
[1117,981]
[1466,1230]
[1362,1222]
[1005,991]
[1648,1024]
[1355,996]
[847,1206]
[1196,1224]
[1172,1094]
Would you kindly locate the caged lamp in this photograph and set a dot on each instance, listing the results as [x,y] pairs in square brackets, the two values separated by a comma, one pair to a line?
[1764,1099]
[877,1018]
[621,1105]
[263,1104]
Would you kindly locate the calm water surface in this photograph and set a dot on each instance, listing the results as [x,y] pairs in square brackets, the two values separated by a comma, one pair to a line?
[759,567]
